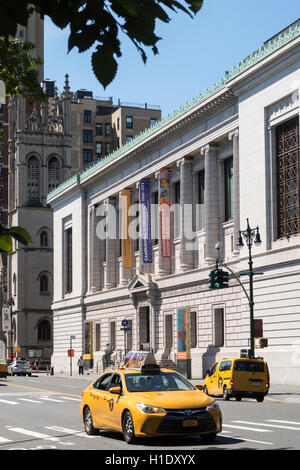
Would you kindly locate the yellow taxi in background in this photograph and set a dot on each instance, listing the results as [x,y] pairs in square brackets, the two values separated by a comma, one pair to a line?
[142,400]
[3,369]
[238,378]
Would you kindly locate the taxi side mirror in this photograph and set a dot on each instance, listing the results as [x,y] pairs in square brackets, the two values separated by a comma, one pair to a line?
[200,387]
[115,390]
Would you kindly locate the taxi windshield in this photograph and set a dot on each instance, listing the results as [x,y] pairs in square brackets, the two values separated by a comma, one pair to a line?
[164,381]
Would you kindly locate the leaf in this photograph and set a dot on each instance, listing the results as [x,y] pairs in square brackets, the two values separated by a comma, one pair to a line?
[6,243]
[104,65]
[20,234]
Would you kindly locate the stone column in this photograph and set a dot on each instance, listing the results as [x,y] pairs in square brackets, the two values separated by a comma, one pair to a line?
[125,273]
[186,213]
[164,264]
[110,278]
[211,201]
[95,276]
[234,136]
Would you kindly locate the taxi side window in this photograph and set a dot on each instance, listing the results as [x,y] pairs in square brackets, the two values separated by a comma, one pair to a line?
[102,382]
[213,369]
[116,381]
[225,365]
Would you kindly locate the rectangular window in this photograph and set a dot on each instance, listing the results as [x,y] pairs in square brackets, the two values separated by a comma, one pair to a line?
[87,116]
[153,121]
[107,128]
[129,122]
[98,129]
[98,110]
[113,334]
[129,138]
[107,148]
[98,148]
[1,169]
[87,155]
[219,327]
[98,337]
[69,261]
[87,136]
[228,175]
[288,177]
[201,201]
[1,193]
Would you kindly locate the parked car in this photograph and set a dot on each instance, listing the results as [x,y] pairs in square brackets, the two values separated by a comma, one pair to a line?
[3,369]
[19,367]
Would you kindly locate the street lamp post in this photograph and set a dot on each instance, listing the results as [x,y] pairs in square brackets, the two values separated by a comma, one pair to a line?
[250,235]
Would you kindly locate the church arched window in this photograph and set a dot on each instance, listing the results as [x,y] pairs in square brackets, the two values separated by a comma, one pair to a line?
[33,179]
[53,173]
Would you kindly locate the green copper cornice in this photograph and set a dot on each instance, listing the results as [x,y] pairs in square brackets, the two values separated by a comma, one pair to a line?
[269,47]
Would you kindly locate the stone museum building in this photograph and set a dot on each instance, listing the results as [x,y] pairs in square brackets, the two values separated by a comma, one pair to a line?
[228,156]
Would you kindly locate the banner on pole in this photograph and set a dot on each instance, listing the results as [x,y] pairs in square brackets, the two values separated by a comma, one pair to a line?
[183,333]
[145,220]
[164,209]
[6,323]
[125,221]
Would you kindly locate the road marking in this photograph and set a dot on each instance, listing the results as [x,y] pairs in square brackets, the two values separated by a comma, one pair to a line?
[70,398]
[31,401]
[3,440]
[38,435]
[251,440]
[8,402]
[268,425]
[40,389]
[52,399]
[69,431]
[244,427]
[283,422]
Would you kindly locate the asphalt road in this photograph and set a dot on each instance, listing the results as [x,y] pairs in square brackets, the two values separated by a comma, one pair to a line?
[42,413]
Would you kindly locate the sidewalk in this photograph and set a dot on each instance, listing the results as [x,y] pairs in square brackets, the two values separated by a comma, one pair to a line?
[277,393]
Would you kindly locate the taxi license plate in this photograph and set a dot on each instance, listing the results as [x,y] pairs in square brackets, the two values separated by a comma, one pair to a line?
[189,423]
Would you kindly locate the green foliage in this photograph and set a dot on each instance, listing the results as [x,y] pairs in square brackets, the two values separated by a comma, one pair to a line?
[99,22]
[7,235]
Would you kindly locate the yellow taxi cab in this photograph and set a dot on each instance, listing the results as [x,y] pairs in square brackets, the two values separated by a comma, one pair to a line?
[3,369]
[142,400]
[242,377]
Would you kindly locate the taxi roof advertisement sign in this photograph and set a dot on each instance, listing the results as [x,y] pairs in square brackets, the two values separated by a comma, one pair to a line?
[137,359]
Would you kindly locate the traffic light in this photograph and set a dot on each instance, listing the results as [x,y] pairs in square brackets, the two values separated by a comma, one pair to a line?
[218,279]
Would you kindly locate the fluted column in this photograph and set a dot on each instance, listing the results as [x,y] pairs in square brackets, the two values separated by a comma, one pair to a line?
[111,252]
[211,201]
[234,136]
[95,272]
[186,213]
[125,273]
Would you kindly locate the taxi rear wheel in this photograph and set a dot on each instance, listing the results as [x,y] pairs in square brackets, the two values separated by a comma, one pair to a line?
[128,428]
[88,422]
[226,396]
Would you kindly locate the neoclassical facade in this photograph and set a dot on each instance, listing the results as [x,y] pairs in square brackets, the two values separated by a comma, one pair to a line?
[229,155]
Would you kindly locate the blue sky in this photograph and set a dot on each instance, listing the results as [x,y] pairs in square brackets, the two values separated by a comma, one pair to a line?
[193,53]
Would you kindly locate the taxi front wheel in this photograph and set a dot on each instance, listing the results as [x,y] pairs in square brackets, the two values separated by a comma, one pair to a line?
[128,428]
[88,422]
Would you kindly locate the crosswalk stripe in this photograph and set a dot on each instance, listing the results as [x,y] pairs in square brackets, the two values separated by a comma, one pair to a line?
[51,399]
[268,425]
[69,431]
[283,422]
[8,402]
[244,427]
[70,398]
[30,400]
[38,435]
[3,440]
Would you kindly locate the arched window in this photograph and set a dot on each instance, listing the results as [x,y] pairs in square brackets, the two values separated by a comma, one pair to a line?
[44,331]
[53,173]
[33,179]
[44,285]
[44,239]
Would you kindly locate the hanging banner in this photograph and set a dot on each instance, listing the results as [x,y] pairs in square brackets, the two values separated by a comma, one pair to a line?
[183,333]
[145,221]
[88,339]
[164,209]
[6,320]
[125,221]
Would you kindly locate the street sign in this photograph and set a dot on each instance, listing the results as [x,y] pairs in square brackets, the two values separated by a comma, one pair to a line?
[70,352]
[126,328]
[124,322]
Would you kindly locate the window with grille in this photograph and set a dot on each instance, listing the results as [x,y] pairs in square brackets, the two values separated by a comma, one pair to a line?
[44,288]
[53,174]
[288,178]
[33,179]
[44,331]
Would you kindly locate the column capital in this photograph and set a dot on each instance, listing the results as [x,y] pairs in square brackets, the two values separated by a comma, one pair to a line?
[184,160]
[234,133]
[207,148]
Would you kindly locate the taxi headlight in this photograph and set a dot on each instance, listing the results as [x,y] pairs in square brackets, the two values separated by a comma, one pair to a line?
[213,406]
[149,409]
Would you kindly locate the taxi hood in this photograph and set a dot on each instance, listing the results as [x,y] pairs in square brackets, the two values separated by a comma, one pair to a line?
[174,399]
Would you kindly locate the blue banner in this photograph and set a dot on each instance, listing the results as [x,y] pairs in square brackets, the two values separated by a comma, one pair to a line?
[145,221]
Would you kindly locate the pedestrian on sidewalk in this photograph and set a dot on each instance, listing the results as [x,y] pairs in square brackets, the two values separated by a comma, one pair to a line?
[36,365]
[80,365]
